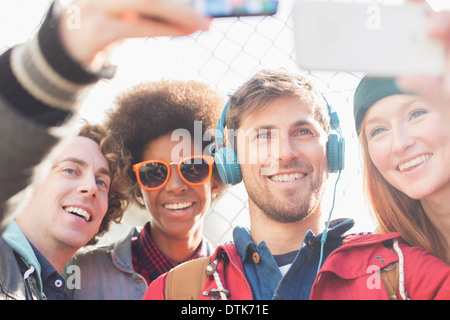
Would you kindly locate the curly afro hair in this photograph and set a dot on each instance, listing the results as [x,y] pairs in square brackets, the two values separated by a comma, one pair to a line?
[150,110]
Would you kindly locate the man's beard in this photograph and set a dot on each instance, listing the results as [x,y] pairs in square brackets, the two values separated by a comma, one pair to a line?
[295,205]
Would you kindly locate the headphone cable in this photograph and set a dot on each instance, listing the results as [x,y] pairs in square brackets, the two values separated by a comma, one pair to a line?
[323,239]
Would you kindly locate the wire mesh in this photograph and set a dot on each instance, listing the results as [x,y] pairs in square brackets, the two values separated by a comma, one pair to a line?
[223,57]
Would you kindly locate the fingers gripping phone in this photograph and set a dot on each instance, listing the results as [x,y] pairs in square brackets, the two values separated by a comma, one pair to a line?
[236,8]
[382,40]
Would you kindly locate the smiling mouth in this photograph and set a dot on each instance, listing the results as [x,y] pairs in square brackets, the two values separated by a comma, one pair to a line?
[414,162]
[286,177]
[81,213]
[178,206]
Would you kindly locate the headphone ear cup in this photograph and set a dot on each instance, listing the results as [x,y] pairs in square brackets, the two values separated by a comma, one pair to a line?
[335,153]
[341,153]
[227,166]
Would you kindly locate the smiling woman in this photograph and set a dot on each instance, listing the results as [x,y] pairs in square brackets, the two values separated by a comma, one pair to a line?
[406,146]
[399,148]
[405,141]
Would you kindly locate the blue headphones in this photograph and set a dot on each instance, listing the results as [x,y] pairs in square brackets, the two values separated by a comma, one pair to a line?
[225,157]
[227,165]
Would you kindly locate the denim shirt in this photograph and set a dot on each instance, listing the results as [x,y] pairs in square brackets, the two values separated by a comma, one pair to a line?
[263,274]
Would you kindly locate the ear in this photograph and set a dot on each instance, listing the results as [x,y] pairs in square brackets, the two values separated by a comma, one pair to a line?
[138,195]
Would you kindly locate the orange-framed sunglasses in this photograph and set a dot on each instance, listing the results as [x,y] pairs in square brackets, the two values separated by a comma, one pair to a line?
[154,174]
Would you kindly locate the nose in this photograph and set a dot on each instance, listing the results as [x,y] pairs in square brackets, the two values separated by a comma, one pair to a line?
[402,139]
[287,149]
[88,187]
[175,184]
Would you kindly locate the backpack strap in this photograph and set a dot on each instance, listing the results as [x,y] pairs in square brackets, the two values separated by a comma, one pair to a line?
[186,281]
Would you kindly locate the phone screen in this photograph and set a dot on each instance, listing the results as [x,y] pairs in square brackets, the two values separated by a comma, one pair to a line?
[236,8]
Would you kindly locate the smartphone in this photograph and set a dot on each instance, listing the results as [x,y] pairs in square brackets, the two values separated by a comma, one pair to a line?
[381,40]
[236,8]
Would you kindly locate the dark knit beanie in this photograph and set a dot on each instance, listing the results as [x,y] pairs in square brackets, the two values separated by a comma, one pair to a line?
[369,91]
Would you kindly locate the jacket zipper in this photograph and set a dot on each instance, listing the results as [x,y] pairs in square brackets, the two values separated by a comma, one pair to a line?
[239,270]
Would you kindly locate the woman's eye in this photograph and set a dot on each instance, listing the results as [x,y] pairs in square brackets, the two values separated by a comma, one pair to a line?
[417,113]
[376,131]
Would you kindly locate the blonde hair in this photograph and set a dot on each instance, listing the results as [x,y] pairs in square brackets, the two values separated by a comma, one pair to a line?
[397,212]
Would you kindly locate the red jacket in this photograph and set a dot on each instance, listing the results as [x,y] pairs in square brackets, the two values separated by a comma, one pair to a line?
[349,272]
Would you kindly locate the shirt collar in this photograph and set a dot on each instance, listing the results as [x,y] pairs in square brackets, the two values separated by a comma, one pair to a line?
[246,246]
[53,283]
[47,269]
[150,262]
[243,242]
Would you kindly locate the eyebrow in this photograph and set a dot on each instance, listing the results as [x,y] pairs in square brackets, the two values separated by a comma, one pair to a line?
[295,124]
[82,163]
[403,106]
[265,127]
[373,119]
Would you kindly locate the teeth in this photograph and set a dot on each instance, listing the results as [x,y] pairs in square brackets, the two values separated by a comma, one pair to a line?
[414,162]
[79,212]
[178,206]
[287,177]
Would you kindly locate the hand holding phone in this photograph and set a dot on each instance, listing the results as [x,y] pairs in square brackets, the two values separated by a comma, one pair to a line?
[80,21]
[382,40]
[435,88]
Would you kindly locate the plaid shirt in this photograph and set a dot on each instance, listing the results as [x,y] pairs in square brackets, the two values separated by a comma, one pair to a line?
[150,262]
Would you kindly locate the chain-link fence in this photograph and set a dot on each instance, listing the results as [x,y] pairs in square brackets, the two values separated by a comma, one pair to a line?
[224,57]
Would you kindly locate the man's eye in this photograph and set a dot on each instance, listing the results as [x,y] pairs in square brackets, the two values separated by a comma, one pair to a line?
[263,135]
[69,171]
[102,183]
[304,132]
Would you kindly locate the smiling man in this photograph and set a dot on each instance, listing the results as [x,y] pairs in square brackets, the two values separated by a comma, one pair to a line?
[279,126]
[82,193]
